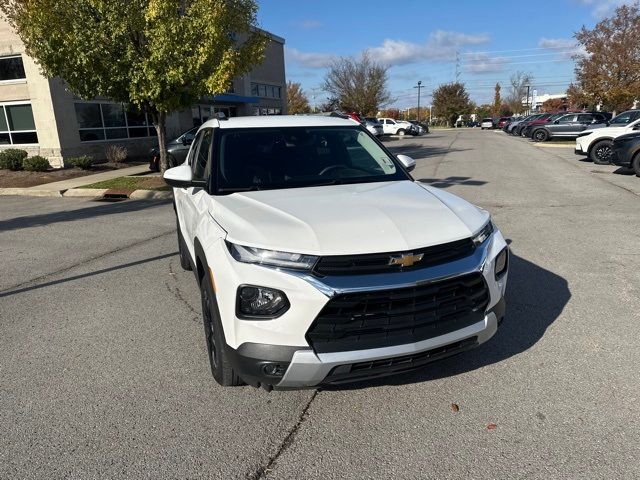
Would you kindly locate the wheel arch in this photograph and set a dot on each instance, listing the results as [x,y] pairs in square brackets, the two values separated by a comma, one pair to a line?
[595,141]
[201,265]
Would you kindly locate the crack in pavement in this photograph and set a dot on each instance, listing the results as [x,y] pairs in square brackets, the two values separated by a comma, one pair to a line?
[263,471]
[177,294]
[83,262]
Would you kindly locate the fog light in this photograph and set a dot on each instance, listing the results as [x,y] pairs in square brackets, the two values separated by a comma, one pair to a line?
[274,369]
[261,302]
[502,262]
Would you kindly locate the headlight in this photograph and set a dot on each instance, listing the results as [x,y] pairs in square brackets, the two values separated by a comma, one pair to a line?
[259,256]
[260,302]
[483,234]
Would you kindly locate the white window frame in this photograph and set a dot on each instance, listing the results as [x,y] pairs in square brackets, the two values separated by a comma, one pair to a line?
[10,132]
[126,126]
[15,80]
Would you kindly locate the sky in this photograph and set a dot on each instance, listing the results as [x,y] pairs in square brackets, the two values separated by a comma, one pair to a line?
[425,40]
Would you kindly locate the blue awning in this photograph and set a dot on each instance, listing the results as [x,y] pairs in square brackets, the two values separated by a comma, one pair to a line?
[233,98]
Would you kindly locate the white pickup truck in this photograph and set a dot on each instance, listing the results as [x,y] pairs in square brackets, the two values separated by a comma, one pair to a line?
[395,127]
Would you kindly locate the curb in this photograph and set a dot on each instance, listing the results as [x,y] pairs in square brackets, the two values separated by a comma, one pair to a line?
[31,192]
[550,145]
[84,192]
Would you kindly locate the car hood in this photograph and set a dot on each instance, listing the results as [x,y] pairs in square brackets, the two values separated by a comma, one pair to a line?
[347,219]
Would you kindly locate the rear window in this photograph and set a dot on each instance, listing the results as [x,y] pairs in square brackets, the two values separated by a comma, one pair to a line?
[488,120]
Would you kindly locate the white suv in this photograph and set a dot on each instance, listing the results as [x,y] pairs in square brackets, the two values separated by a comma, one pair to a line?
[597,143]
[321,261]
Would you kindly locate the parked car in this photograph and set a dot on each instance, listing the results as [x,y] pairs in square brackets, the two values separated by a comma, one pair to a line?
[530,126]
[177,150]
[417,128]
[597,143]
[374,127]
[502,121]
[626,151]
[320,260]
[567,126]
[395,127]
[472,124]
[486,123]
[517,130]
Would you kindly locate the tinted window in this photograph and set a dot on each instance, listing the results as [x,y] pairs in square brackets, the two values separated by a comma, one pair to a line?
[287,157]
[567,119]
[200,164]
[583,118]
[11,68]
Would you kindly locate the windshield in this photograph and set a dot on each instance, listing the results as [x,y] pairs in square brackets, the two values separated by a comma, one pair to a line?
[288,157]
[623,118]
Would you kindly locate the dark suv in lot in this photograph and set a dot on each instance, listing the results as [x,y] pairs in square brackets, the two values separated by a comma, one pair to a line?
[567,126]
[626,151]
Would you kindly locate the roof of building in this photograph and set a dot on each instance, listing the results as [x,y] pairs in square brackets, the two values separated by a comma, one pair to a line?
[266,121]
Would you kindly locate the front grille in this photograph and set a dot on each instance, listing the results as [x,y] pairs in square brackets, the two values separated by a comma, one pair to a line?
[358,321]
[379,262]
[395,365]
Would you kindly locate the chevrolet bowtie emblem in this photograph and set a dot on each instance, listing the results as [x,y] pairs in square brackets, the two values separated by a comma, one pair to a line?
[405,259]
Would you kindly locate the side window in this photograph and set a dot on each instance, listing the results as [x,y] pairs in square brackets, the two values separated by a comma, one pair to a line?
[585,118]
[567,119]
[200,164]
[391,122]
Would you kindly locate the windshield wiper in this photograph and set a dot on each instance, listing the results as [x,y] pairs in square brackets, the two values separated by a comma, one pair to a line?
[252,188]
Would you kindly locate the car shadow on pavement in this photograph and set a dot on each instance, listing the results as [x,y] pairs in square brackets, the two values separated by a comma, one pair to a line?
[94,211]
[8,292]
[535,299]
[451,181]
[419,152]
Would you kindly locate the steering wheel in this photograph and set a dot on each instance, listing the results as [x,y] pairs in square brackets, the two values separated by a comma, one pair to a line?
[330,168]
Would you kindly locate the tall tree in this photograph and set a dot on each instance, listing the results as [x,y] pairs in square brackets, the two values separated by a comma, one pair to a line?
[579,99]
[156,55]
[610,67]
[297,101]
[451,100]
[358,84]
[497,101]
[483,111]
[519,82]
[554,105]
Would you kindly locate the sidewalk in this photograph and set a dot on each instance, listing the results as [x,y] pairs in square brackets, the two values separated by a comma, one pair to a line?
[70,188]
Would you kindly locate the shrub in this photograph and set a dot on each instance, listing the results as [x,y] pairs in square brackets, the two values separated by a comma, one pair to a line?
[116,153]
[12,158]
[84,162]
[35,164]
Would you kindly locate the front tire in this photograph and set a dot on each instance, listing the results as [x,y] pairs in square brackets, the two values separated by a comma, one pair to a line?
[400,132]
[540,136]
[601,152]
[219,361]
[635,164]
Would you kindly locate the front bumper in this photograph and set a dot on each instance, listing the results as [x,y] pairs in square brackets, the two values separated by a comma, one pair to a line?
[260,348]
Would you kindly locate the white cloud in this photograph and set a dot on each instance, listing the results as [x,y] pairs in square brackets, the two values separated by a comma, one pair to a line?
[309,59]
[602,8]
[565,48]
[483,63]
[441,46]
[310,24]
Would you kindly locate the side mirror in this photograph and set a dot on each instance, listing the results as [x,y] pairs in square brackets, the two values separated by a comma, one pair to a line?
[556,122]
[636,127]
[406,161]
[187,140]
[181,177]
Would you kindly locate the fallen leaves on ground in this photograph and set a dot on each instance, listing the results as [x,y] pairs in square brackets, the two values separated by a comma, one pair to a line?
[455,407]
[492,426]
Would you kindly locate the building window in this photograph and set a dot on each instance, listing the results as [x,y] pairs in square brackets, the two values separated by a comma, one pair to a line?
[111,121]
[266,91]
[11,68]
[16,124]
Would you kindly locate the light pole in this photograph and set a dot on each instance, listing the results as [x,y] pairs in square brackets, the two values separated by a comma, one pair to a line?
[419,87]
[528,86]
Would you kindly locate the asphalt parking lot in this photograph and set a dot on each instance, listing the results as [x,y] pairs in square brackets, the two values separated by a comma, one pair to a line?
[103,369]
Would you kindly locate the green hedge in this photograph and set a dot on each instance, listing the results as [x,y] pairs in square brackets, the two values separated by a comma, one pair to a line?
[12,158]
[35,164]
[85,162]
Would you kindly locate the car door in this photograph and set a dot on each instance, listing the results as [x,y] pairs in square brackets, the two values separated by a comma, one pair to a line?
[585,120]
[389,127]
[195,203]
[563,125]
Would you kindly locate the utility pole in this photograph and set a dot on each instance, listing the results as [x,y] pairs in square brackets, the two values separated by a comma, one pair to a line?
[528,87]
[457,66]
[419,86]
